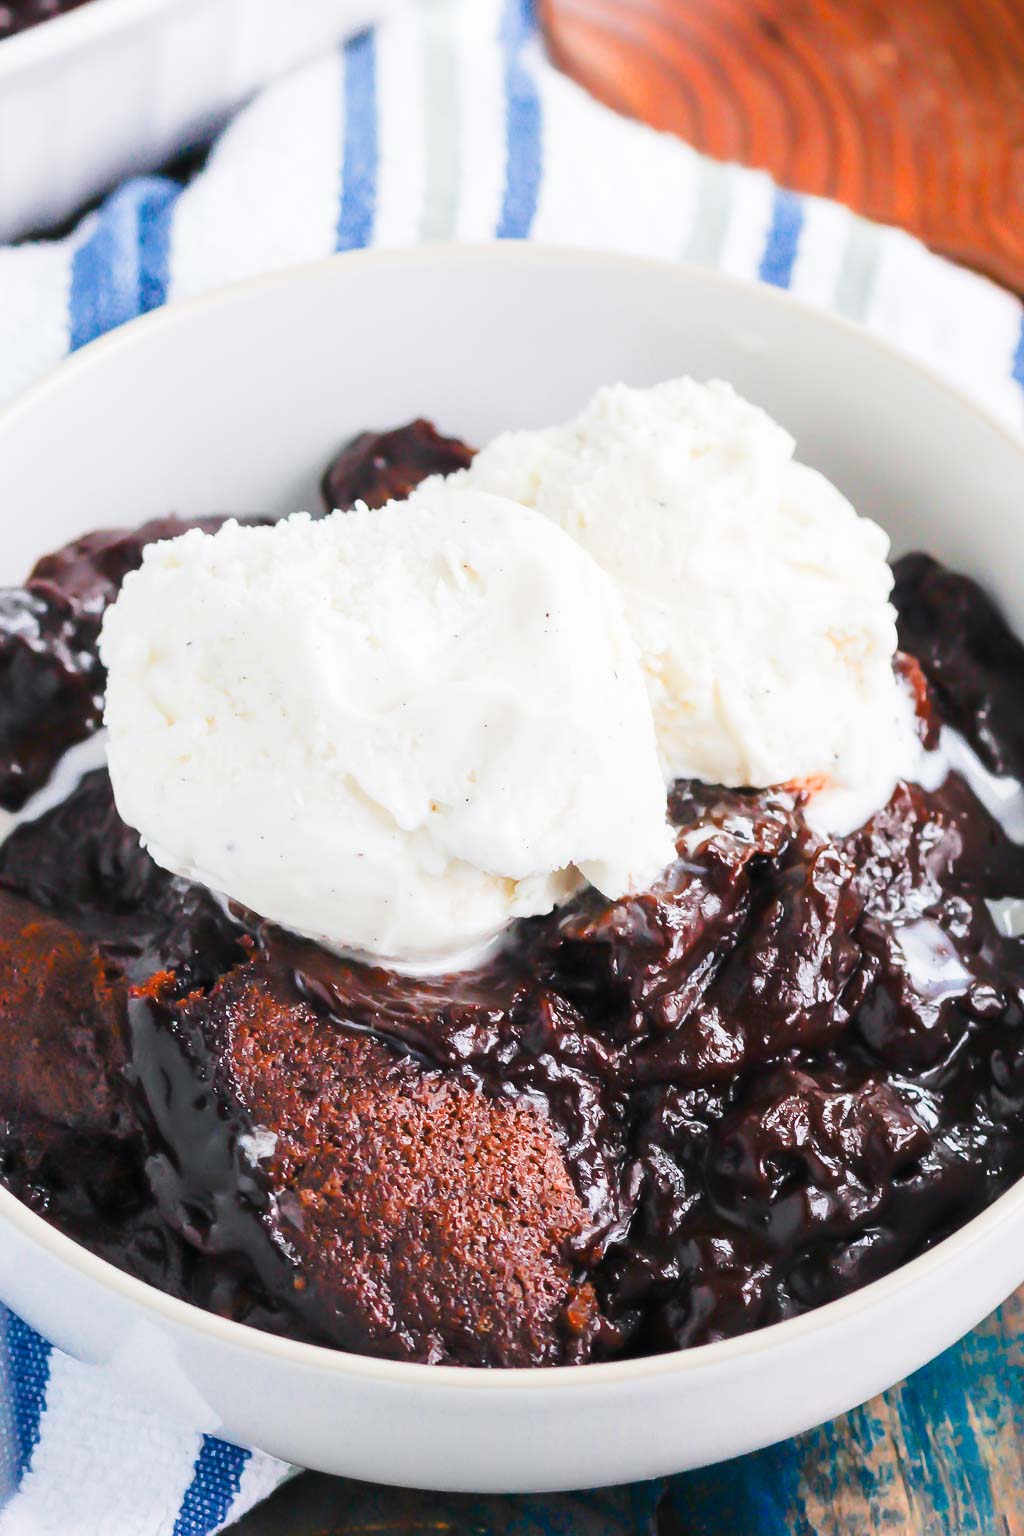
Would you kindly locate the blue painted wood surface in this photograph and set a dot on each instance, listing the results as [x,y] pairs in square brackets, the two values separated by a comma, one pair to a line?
[940,1455]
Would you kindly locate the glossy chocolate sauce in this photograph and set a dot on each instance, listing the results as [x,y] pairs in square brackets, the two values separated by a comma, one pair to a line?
[792,1065]
[51,679]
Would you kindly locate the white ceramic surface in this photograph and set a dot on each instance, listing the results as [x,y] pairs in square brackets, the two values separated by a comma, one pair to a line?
[121,85]
[235,402]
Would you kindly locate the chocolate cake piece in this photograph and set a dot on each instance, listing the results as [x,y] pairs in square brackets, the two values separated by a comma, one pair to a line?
[66,1118]
[377,467]
[389,1208]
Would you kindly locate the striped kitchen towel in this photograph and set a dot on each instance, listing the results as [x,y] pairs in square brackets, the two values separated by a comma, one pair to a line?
[446,123]
[449,123]
[79,1458]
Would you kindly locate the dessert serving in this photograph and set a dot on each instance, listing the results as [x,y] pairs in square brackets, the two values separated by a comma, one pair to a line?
[550,908]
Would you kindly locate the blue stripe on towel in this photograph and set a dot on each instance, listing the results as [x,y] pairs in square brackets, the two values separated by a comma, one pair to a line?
[156,217]
[522,126]
[121,269]
[1017,369]
[359,168]
[783,240]
[214,1487]
[28,1358]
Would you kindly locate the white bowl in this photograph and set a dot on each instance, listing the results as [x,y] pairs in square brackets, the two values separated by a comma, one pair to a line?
[235,402]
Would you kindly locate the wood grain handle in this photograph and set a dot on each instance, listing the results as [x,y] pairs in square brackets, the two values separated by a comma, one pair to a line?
[911,111]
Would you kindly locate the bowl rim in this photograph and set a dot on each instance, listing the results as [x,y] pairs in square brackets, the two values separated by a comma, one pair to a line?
[414,1375]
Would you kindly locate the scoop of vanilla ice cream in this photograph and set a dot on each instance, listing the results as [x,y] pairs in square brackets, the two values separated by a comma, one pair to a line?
[391,731]
[757,596]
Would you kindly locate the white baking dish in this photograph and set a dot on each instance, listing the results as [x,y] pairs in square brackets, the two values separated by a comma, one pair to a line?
[120,86]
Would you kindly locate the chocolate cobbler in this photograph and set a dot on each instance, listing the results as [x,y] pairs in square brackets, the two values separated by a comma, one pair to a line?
[789,1067]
